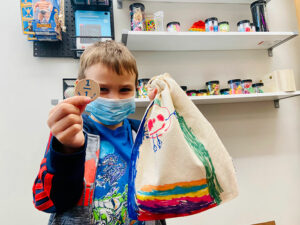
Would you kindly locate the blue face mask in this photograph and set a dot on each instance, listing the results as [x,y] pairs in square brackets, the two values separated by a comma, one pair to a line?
[111,111]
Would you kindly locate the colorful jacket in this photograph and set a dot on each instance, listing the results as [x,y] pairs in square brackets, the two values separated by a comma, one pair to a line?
[65,183]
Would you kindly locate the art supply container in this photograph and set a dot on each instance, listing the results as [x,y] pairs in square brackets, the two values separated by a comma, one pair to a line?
[253,28]
[184,88]
[211,24]
[258,87]
[213,87]
[225,91]
[137,15]
[247,86]
[173,27]
[159,21]
[202,92]
[235,86]
[258,9]
[150,24]
[142,90]
[191,93]
[224,26]
[244,26]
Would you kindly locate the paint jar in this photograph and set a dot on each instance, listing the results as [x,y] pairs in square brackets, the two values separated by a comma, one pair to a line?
[258,87]
[211,24]
[244,26]
[173,27]
[213,87]
[253,28]
[224,26]
[247,86]
[235,86]
[184,88]
[150,24]
[202,92]
[258,9]
[142,89]
[137,15]
[191,93]
[159,21]
[225,91]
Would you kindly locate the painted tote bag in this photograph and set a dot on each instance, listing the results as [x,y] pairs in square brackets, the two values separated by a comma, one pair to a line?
[179,165]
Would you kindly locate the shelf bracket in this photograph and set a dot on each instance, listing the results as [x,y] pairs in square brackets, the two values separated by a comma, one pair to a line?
[120,4]
[270,52]
[276,104]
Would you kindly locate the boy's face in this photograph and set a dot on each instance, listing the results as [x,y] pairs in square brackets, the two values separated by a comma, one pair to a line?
[111,84]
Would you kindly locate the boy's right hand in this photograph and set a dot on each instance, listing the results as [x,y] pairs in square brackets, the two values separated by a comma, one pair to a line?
[66,124]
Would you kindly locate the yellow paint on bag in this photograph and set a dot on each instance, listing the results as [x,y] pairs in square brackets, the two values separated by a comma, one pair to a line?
[197,194]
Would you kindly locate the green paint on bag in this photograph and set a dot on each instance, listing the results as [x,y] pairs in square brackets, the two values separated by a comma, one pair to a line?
[157,102]
[213,185]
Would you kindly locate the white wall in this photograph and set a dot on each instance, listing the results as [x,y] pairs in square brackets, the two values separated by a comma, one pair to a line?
[263,141]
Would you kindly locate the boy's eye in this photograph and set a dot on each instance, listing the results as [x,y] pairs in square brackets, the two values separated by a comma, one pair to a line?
[125,89]
[103,89]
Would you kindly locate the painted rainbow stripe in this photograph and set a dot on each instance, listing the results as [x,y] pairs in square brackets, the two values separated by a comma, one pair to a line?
[178,199]
[173,200]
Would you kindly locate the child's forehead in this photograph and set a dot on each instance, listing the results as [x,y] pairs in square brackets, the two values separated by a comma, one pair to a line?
[105,75]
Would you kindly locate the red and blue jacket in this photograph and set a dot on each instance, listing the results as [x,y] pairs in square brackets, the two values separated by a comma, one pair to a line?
[65,182]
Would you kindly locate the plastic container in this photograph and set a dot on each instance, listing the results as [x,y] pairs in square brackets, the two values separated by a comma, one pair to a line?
[235,86]
[142,90]
[202,92]
[184,88]
[225,91]
[211,24]
[253,28]
[150,24]
[244,26]
[191,93]
[173,27]
[258,87]
[213,87]
[247,86]
[224,26]
[258,9]
[137,15]
[159,21]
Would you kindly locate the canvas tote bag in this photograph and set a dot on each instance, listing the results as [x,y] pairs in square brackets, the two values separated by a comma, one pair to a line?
[179,165]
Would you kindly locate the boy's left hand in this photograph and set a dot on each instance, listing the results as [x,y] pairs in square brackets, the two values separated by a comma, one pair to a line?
[152,94]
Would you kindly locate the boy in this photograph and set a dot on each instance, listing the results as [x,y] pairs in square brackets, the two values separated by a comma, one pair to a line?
[84,174]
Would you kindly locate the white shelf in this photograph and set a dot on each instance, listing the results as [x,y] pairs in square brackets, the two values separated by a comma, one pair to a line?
[199,100]
[199,41]
[198,1]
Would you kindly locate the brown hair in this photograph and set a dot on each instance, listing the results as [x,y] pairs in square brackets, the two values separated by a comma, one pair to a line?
[111,54]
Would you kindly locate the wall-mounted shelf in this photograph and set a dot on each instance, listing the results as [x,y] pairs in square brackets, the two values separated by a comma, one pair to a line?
[120,2]
[217,99]
[199,41]
[220,99]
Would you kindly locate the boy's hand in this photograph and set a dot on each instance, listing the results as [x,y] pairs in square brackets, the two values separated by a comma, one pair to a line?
[65,122]
[152,93]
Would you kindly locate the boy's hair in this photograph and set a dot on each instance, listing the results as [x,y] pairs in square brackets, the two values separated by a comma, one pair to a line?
[111,54]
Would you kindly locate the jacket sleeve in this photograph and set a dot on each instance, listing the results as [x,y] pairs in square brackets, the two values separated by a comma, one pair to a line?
[59,183]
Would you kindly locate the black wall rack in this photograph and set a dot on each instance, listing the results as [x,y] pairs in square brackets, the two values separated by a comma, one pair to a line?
[67,47]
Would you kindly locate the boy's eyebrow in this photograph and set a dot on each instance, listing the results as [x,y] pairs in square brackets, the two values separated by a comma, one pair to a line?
[122,85]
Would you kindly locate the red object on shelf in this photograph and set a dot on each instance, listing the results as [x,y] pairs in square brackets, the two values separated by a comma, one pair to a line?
[198,26]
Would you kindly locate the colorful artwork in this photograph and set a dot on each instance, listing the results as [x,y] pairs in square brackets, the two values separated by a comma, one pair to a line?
[157,125]
[175,199]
